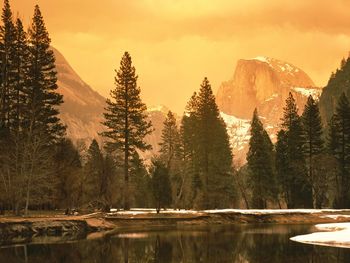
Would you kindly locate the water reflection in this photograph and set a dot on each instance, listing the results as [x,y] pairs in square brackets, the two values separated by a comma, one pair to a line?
[215,244]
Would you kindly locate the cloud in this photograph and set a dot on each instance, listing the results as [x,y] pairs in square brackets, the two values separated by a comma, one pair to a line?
[175,43]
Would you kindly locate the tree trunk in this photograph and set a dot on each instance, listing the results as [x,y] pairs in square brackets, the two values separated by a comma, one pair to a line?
[27,201]
[126,166]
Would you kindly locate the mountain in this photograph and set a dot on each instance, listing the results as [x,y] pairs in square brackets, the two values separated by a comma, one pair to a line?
[83,107]
[263,83]
[82,110]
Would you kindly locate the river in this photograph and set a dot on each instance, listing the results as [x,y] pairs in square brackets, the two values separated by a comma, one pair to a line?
[240,243]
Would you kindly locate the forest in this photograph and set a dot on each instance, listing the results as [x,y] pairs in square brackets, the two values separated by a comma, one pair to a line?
[42,169]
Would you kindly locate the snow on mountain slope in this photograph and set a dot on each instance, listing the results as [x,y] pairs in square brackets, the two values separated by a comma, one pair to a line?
[239,133]
[314,92]
[238,130]
[263,83]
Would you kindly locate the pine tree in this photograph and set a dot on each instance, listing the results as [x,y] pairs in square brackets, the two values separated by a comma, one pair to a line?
[43,98]
[192,183]
[94,174]
[170,140]
[284,181]
[313,142]
[339,144]
[20,72]
[300,192]
[161,187]
[207,152]
[7,35]
[261,164]
[215,156]
[109,182]
[125,119]
[67,171]
[42,127]
[170,154]
[7,38]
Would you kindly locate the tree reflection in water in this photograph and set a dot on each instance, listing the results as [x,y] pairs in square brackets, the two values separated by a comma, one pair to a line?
[214,244]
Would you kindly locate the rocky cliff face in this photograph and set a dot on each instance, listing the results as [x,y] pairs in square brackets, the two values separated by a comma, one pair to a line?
[262,83]
[258,82]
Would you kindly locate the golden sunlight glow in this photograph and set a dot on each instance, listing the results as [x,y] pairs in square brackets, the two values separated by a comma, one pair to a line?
[175,43]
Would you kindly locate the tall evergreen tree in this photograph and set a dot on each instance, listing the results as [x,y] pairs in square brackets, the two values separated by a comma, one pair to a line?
[284,180]
[20,76]
[189,146]
[313,141]
[170,140]
[42,126]
[300,189]
[261,164]
[7,38]
[206,143]
[126,119]
[94,173]
[67,169]
[339,144]
[7,35]
[171,154]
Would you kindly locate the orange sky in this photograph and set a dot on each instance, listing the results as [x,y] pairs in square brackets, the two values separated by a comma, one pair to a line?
[175,43]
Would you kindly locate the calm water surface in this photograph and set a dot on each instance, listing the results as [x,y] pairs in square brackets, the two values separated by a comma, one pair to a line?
[214,244]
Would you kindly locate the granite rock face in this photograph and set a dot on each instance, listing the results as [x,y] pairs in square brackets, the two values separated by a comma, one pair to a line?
[263,83]
[258,81]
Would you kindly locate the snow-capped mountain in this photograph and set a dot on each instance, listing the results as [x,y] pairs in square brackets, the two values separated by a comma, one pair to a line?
[263,83]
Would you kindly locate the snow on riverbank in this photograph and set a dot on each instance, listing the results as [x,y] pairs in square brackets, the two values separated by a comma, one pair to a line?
[335,234]
[138,211]
[275,211]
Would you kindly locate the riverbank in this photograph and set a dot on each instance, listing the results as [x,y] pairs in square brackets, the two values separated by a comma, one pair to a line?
[24,229]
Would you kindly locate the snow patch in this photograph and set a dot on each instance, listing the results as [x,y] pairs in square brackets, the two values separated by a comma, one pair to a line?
[315,93]
[274,211]
[142,211]
[137,211]
[262,59]
[337,234]
[160,108]
[278,65]
[238,131]
[275,95]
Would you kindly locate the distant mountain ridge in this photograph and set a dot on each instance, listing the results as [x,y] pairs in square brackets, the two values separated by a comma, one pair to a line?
[260,82]
[83,107]
[82,110]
